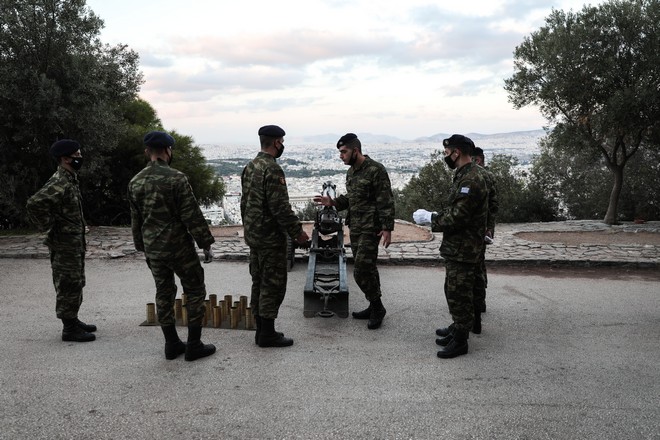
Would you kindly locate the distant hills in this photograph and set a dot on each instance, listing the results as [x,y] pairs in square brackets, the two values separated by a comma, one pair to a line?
[370,138]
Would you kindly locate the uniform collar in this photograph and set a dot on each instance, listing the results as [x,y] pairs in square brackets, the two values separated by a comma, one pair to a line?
[73,177]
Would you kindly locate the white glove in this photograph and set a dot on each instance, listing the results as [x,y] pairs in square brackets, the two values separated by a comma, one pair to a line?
[422,216]
[208,255]
[488,240]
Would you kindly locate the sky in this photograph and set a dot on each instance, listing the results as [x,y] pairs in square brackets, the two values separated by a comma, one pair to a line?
[217,70]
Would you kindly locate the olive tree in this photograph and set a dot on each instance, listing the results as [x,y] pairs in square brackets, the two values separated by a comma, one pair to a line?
[595,76]
[57,80]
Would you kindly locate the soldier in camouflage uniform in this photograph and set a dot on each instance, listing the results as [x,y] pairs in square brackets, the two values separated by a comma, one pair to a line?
[57,209]
[166,222]
[463,224]
[481,281]
[370,218]
[267,220]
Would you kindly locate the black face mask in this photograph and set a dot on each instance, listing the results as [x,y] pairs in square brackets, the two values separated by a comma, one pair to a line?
[352,160]
[279,151]
[76,163]
[451,163]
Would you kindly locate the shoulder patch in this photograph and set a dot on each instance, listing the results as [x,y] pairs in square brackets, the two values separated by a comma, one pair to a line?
[465,190]
[282,181]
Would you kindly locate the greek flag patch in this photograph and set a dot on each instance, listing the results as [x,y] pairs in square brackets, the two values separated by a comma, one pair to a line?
[465,190]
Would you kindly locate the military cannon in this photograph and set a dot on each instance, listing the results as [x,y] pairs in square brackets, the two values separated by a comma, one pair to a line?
[326,289]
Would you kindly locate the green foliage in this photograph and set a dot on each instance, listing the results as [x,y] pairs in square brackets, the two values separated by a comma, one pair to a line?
[308,213]
[595,75]
[57,80]
[428,190]
[521,197]
[188,158]
[579,182]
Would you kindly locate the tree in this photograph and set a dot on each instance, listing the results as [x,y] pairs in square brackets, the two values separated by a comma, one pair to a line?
[521,197]
[562,178]
[57,80]
[520,194]
[207,186]
[595,76]
[308,213]
[109,205]
[428,190]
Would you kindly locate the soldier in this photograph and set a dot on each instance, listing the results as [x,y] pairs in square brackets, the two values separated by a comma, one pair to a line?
[57,209]
[165,219]
[370,218]
[481,280]
[267,220]
[463,224]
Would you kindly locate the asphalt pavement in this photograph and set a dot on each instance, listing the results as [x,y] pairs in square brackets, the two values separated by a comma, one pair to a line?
[564,354]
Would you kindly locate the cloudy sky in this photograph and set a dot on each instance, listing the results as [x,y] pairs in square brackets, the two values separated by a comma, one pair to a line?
[219,69]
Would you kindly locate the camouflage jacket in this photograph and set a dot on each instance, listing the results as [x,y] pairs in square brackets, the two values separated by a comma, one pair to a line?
[463,222]
[369,198]
[265,208]
[164,212]
[57,209]
[493,204]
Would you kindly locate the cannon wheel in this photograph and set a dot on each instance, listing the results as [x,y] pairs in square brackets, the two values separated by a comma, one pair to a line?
[290,253]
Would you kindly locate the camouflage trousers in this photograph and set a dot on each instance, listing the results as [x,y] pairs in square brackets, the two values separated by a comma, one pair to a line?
[68,267]
[459,287]
[480,284]
[269,275]
[185,264]
[365,271]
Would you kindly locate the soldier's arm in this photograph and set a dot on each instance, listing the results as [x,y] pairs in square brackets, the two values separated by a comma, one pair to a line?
[341,202]
[459,213]
[493,205]
[191,214]
[278,203]
[136,223]
[40,206]
[384,200]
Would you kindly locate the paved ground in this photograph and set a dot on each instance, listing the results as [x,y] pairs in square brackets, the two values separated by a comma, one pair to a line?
[565,354]
[569,348]
[515,244]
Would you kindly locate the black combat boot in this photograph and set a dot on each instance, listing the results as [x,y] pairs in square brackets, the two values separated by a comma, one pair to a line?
[377,314]
[71,332]
[257,319]
[445,331]
[364,314]
[445,340]
[195,349]
[457,346]
[269,337]
[476,326]
[89,328]
[173,345]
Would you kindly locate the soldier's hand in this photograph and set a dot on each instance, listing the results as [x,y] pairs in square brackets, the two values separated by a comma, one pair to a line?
[323,200]
[208,254]
[302,239]
[386,236]
[423,217]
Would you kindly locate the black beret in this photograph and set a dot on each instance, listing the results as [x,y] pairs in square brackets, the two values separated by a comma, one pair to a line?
[346,139]
[458,141]
[477,152]
[271,131]
[64,147]
[158,139]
